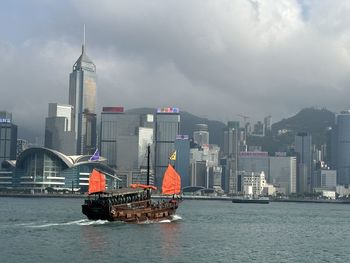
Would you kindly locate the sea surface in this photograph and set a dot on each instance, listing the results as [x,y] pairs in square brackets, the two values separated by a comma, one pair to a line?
[55,230]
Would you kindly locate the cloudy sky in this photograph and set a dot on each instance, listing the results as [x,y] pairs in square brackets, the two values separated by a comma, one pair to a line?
[213,58]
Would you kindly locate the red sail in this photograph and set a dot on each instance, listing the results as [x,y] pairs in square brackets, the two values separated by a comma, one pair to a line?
[171,181]
[97,182]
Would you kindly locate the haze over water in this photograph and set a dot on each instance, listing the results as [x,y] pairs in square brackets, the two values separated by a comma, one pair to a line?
[55,230]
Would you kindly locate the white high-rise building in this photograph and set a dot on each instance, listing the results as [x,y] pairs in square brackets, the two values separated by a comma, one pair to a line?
[253,183]
[59,135]
[201,134]
[62,110]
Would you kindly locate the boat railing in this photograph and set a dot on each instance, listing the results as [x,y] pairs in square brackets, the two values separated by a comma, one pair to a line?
[137,204]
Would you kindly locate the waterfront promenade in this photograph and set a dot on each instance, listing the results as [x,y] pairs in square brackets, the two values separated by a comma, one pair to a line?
[184,197]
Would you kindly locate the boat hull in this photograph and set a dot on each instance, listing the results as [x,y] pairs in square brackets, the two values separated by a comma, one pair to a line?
[133,212]
[251,201]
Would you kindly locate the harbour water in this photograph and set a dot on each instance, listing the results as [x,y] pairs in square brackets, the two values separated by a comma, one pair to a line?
[55,230]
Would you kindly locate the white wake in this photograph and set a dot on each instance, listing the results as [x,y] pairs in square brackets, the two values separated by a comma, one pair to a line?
[173,219]
[82,222]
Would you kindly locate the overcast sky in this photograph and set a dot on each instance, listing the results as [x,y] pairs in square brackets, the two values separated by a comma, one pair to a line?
[213,58]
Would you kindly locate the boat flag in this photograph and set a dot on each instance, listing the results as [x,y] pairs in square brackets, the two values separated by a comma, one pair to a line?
[173,156]
[95,156]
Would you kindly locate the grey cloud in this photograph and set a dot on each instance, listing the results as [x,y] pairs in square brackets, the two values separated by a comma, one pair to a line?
[212,58]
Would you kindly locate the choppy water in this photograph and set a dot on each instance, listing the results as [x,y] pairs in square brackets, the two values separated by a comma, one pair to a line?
[54,230]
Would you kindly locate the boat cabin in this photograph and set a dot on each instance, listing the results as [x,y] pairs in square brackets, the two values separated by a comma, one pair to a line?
[119,197]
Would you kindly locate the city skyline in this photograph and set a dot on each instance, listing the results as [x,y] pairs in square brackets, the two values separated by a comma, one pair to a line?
[250,57]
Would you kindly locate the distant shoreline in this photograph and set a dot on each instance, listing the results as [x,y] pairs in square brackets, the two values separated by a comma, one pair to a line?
[185,197]
[24,195]
[318,201]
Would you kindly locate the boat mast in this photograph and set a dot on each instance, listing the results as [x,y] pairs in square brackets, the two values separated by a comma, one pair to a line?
[148,162]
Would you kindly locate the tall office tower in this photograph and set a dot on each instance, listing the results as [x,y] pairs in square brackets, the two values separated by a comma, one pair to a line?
[283,173]
[232,139]
[201,134]
[215,176]
[331,147]
[166,128]
[119,138]
[59,135]
[209,155]
[8,137]
[124,139]
[342,147]
[231,151]
[328,179]
[198,173]
[303,149]
[182,163]
[254,162]
[82,96]
[267,124]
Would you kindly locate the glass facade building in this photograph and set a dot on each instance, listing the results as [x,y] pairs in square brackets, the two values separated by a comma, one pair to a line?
[119,139]
[82,96]
[39,169]
[123,141]
[342,148]
[303,149]
[8,137]
[283,173]
[201,135]
[256,162]
[59,135]
[182,163]
[166,128]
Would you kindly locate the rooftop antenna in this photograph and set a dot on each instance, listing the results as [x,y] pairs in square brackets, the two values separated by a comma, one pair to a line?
[84,40]
[84,36]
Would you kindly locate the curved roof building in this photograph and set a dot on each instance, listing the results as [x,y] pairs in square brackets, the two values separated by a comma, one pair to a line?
[39,168]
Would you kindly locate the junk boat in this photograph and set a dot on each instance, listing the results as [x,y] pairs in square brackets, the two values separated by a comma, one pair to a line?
[132,204]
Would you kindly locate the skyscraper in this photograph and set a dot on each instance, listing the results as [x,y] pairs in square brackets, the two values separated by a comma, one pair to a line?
[182,163]
[82,96]
[231,151]
[342,147]
[282,173]
[267,124]
[119,138]
[124,139]
[59,135]
[201,134]
[303,148]
[8,137]
[167,127]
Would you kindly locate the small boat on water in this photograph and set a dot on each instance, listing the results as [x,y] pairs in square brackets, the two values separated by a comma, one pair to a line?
[260,200]
[132,204]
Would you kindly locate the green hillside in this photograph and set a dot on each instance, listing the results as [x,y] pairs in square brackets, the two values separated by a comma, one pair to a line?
[311,120]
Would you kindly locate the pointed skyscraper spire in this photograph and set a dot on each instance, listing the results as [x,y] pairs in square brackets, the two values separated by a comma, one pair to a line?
[84,61]
[83,46]
[82,96]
